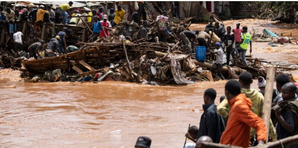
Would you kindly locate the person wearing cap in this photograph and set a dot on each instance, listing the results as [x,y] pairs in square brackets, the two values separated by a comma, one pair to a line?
[53,46]
[229,42]
[62,41]
[237,34]
[219,59]
[143,142]
[40,14]
[162,26]
[34,49]
[119,15]
[105,27]
[245,41]
[262,85]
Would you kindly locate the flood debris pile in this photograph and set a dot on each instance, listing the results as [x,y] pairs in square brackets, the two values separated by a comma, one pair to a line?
[272,38]
[141,62]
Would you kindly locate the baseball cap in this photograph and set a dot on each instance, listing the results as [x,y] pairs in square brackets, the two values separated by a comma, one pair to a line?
[261,82]
[105,16]
[143,142]
[238,23]
[218,43]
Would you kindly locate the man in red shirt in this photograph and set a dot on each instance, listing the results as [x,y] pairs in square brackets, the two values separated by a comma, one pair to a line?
[106,25]
[241,118]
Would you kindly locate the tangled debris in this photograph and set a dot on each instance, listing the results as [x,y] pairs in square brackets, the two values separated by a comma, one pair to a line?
[128,56]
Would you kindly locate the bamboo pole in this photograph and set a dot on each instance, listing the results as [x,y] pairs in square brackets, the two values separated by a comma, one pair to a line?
[268,97]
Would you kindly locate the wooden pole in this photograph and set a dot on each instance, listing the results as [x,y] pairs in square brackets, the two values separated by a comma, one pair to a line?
[84,35]
[127,60]
[268,97]
[43,31]
[186,137]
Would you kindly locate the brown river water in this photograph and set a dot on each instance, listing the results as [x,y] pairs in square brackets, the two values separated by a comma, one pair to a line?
[108,114]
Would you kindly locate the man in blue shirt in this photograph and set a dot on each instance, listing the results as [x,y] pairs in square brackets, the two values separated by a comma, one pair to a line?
[96,28]
[2,17]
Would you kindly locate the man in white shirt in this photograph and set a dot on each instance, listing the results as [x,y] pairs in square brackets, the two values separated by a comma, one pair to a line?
[18,42]
[219,59]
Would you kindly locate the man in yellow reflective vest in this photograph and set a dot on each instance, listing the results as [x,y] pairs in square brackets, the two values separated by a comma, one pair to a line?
[245,41]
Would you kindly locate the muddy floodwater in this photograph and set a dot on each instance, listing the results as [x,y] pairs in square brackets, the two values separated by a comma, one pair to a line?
[110,114]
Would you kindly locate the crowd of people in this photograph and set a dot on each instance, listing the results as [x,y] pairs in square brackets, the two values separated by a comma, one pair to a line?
[99,20]
[237,119]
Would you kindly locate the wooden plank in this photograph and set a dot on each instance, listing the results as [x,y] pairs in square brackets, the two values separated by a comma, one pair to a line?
[77,69]
[84,35]
[43,31]
[268,97]
[86,65]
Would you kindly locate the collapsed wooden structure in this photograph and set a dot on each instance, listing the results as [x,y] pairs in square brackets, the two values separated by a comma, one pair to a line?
[140,62]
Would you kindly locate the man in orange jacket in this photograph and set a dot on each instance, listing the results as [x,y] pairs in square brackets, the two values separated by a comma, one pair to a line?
[241,118]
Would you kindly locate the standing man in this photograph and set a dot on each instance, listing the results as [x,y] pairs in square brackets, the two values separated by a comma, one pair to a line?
[241,118]
[62,41]
[219,59]
[112,16]
[96,28]
[40,14]
[285,114]
[106,25]
[100,13]
[245,41]
[211,124]
[162,24]
[32,14]
[210,26]
[219,30]
[237,34]
[2,17]
[18,42]
[10,18]
[229,42]
[257,100]
[119,15]
[141,11]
